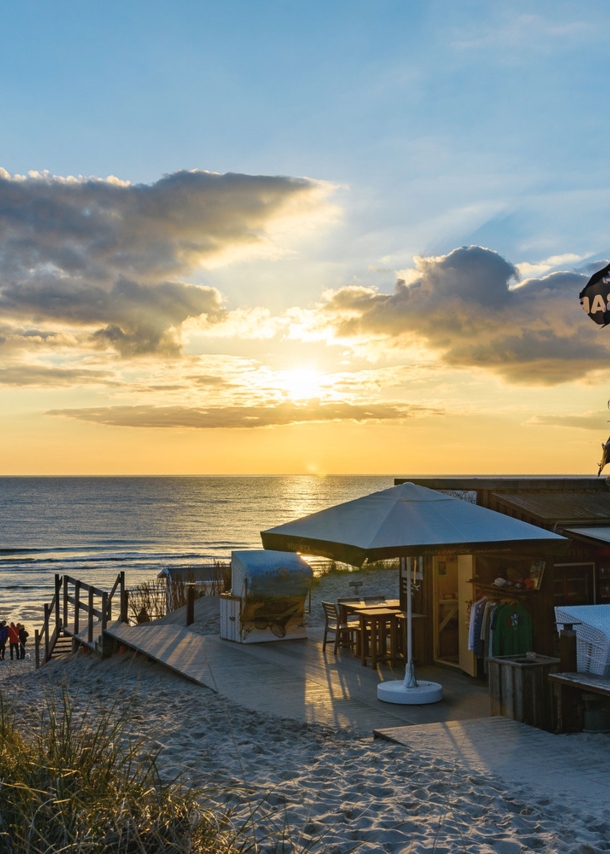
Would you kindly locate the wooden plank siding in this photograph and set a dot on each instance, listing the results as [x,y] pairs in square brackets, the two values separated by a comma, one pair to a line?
[552,503]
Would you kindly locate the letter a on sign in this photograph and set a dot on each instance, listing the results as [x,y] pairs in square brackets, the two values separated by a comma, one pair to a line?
[594,297]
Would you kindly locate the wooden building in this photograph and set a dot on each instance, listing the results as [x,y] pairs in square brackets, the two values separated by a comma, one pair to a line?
[576,507]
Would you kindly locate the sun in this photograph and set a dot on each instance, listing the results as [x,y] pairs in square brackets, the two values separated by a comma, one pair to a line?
[301,384]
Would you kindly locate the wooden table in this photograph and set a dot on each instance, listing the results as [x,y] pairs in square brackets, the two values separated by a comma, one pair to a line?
[377,621]
[346,608]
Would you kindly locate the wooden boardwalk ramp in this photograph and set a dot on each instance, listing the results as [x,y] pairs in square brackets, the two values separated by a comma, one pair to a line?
[296,679]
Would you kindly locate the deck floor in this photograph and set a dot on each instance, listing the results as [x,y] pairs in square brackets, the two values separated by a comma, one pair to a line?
[573,767]
[298,680]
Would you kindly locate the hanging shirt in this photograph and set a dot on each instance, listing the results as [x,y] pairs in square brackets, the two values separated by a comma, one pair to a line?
[474,629]
[493,621]
[513,631]
[485,623]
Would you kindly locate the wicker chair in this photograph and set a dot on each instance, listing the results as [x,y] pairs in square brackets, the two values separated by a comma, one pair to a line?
[345,634]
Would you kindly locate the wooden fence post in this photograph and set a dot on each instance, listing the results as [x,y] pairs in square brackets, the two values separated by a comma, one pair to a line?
[37,648]
[105,610]
[77,607]
[90,617]
[65,600]
[57,606]
[125,606]
[46,632]
[190,604]
[122,591]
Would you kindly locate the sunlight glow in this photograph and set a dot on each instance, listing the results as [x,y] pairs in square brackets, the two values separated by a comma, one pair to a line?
[301,384]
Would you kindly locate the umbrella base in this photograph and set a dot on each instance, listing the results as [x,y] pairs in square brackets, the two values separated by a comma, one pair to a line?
[395,692]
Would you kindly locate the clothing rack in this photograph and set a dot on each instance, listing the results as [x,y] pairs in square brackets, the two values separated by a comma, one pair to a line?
[496,591]
[516,626]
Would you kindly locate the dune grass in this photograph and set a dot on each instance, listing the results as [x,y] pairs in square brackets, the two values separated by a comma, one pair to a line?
[78,779]
[81,783]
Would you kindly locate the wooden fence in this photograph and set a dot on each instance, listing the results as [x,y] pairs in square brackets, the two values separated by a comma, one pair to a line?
[79,611]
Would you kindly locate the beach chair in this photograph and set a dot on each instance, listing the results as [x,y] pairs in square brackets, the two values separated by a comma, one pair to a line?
[345,633]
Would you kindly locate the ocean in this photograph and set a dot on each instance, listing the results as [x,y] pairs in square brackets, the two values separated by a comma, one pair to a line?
[93,527]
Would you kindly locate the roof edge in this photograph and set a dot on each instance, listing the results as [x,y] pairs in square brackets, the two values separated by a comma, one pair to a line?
[499,482]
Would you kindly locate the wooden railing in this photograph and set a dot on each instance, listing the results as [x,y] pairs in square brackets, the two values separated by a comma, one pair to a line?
[47,636]
[68,605]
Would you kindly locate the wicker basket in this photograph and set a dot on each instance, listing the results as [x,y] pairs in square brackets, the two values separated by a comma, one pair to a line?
[592,635]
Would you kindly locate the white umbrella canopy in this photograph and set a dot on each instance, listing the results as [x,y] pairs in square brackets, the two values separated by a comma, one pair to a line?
[406,521]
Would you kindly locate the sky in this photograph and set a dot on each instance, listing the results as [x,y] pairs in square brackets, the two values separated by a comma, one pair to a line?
[302,237]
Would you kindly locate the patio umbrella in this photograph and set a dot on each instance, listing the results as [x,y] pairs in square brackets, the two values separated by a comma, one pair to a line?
[406,521]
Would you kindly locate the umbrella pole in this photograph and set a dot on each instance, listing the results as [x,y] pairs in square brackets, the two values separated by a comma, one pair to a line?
[410,680]
[409,691]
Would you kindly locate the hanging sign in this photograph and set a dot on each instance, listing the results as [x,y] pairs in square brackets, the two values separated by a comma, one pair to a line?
[595,297]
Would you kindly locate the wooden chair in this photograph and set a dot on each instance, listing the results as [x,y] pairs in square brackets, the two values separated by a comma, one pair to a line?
[352,619]
[344,632]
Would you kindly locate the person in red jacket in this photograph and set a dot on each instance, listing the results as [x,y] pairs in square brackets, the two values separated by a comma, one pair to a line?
[13,639]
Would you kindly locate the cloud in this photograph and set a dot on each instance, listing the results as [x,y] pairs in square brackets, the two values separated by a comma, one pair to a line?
[591,267]
[39,375]
[14,337]
[103,229]
[106,255]
[515,33]
[584,421]
[527,270]
[239,416]
[131,318]
[468,307]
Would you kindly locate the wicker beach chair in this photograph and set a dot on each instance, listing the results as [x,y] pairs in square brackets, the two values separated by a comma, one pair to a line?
[592,635]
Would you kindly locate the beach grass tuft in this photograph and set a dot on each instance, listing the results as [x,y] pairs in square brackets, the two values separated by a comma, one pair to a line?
[150,598]
[78,779]
[81,783]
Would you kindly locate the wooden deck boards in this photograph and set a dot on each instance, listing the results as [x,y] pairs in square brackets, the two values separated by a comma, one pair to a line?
[571,766]
[82,634]
[296,679]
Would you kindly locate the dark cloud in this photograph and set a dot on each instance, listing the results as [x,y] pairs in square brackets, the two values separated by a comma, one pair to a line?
[98,253]
[210,380]
[37,375]
[105,229]
[132,318]
[238,416]
[468,306]
[591,267]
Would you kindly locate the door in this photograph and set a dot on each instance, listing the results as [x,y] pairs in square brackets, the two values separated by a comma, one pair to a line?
[467,658]
[446,619]
[452,597]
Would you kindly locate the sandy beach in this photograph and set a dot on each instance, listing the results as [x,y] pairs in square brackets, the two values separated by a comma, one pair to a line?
[334,790]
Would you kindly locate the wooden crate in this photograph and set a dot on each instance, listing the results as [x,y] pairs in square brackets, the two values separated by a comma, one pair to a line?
[519,688]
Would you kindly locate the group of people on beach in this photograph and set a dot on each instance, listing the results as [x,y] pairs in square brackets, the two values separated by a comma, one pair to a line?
[16,636]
